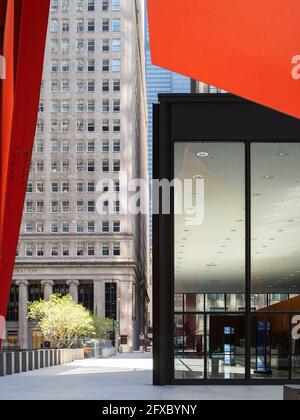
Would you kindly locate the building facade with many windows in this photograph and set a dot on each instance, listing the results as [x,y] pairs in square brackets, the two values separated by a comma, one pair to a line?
[91,136]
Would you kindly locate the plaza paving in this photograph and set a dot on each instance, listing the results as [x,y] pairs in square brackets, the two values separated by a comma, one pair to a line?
[124,377]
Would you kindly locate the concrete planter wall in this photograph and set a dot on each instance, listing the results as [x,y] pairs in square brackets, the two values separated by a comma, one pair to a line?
[24,361]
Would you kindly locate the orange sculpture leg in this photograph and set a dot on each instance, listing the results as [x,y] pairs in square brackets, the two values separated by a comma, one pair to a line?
[23,30]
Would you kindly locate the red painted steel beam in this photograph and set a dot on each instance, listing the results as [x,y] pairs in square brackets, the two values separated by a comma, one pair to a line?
[24,30]
[248,47]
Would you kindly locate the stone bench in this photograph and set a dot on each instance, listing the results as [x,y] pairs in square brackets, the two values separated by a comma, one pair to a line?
[291,393]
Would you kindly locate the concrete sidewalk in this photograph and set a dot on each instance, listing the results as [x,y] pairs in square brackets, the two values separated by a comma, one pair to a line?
[124,377]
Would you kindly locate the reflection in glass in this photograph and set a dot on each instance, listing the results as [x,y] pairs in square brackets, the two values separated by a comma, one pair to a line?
[275,225]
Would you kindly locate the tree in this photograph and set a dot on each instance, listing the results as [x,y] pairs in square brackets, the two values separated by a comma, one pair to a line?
[103,326]
[61,320]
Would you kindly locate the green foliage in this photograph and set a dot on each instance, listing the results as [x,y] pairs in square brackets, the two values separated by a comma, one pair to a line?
[103,326]
[61,320]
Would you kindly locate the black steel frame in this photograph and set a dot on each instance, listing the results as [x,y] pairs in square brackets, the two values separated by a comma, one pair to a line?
[203,117]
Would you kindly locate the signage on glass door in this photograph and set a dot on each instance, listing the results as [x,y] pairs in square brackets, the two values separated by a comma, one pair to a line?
[296,327]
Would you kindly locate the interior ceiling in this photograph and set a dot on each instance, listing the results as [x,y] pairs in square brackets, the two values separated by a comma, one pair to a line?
[210,257]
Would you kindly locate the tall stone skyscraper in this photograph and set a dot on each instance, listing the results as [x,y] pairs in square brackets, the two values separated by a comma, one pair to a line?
[91,132]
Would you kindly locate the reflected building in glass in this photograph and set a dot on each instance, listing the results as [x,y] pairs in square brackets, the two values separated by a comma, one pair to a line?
[230,284]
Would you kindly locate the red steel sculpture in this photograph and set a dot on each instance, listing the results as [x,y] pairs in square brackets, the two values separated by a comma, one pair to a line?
[23,30]
[247,47]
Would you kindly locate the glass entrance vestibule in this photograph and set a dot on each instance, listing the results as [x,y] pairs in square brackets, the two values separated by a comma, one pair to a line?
[226,256]
[228,326]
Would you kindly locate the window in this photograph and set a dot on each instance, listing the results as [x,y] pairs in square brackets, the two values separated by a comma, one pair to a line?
[54,5]
[54,25]
[105,207]
[54,167]
[116,227]
[65,187]
[91,45]
[105,45]
[80,126]
[40,207]
[65,166]
[116,65]
[29,187]
[116,105]
[91,25]
[41,106]
[29,207]
[65,85]
[105,5]
[40,250]
[54,249]
[80,66]
[105,165]
[54,227]
[55,106]
[54,86]
[80,105]
[80,166]
[80,186]
[105,65]
[116,186]
[39,146]
[65,228]
[91,206]
[65,126]
[116,126]
[105,250]
[79,25]
[116,146]
[91,126]
[65,25]
[80,86]
[65,45]
[80,45]
[54,206]
[65,66]
[91,227]
[54,187]
[91,5]
[91,165]
[91,65]
[105,25]
[116,166]
[80,249]
[111,300]
[65,249]
[40,126]
[40,166]
[116,250]
[116,5]
[65,206]
[91,249]
[116,25]
[105,85]
[80,206]
[29,250]
[65,146]
[117,85]
[29,227]
[105,146]
[40,227]
[105,187]
[91,146]
[91,105]
[54,146]
[116,45]
[40,187]
[105,105]
[80,146]
[54,66]
[105,126]
[105,227]
[91,85]
[116,207]
[80,6]
[80,227]
[65,6]
[91,186]
[54,45]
